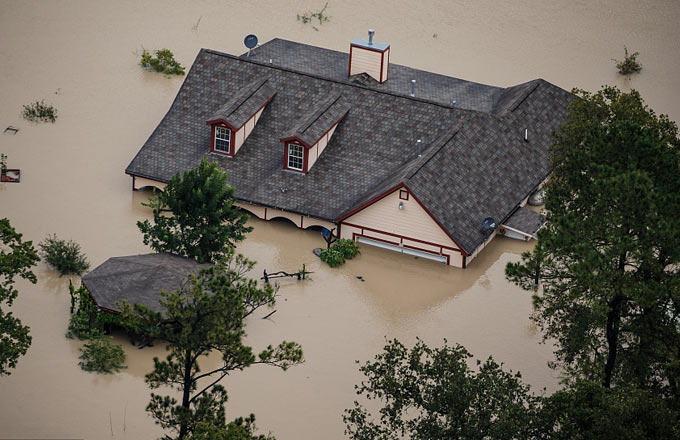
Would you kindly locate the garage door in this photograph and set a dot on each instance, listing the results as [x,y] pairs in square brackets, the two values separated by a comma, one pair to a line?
[403,250]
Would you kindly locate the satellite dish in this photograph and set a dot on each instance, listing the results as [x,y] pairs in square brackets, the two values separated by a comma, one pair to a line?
[489,224]
[251,42]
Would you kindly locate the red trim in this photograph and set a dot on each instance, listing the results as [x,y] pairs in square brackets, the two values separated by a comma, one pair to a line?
[403,194]
[295,140]
[387,76]
[427,251]
[349,72]
[367,48]
[221,121]
[382,58]
[305,158]
[402,237]
[232,139]
[437,221]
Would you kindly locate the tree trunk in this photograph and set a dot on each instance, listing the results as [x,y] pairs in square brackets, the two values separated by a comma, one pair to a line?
[186,395]
[613,319]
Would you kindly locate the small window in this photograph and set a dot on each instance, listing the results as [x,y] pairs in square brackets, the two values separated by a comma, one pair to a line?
[222,139]
[403,194]
[295,157]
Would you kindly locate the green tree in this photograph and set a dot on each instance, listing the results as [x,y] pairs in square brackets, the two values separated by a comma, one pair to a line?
[605,268]
[433,394]
[16,259]
[204,220]
[206,315]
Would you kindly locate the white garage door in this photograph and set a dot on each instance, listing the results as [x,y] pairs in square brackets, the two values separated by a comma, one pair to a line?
[403,250]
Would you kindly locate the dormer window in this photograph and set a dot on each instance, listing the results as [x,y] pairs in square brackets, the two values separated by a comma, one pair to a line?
[222,140]
[236,119]
[296,157]
[312,133]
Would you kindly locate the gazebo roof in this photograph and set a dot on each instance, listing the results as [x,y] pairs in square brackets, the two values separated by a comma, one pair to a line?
[138,279]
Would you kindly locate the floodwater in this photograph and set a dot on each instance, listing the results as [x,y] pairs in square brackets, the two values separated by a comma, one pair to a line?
[82,57]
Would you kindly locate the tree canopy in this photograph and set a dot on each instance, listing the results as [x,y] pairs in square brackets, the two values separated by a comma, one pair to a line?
[432,393]
[16,259]
[206,315]
[605,268]
[195,215]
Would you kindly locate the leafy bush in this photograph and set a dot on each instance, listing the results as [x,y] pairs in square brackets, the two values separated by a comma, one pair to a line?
[340,251]
[320,15]
[38,111]
[3,162]
[163,62]
[630,64]
[348,248]
[84,323]
[101,356]
[332,257]
[63,255]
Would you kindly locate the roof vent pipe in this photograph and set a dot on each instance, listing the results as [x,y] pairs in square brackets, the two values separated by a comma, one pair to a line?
[420,148]
[453,103]
[370,37]
[526,135]
[413,87]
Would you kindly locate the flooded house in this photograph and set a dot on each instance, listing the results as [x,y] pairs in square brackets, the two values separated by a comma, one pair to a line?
[383,154]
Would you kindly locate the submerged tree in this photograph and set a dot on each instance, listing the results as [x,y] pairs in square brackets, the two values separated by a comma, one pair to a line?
[207,314]
[432,393]
[609,258]
[16,259]
[204,222]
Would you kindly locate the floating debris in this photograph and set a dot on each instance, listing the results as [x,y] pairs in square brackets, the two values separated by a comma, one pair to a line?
[11,129]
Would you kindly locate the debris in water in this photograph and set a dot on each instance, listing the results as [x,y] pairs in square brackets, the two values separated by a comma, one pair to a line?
[11,129]
[360,278]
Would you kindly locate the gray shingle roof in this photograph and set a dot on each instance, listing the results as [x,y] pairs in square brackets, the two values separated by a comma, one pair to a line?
[319,119]
[244,104]
[483,168]
[525,220]
[138,279]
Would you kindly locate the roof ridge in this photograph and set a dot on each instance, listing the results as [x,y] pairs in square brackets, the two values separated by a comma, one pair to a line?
[320,111]
[346,83]
[254,87]
[436,147]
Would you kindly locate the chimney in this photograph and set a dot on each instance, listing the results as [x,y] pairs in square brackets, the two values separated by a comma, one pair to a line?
[370,57]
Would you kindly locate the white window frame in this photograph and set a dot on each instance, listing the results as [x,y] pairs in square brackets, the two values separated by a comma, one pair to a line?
[301,156]
[227,139]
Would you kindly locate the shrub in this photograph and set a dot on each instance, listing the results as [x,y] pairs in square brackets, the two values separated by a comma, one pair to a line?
[332,257]
[63,255]
[84,322]
[320,15]
[101,356]
[163,62]
[348,248]
[38,111]
[630,64]
[340,251]
[3,162]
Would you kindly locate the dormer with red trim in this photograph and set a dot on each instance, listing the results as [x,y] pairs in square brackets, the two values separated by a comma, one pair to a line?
[305,143]
[236,119]
[370,57]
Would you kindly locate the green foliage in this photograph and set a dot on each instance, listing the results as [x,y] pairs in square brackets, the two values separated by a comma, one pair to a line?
[63,255]
[608,259]
[320,15]
[433,394]
[84,322]
[17,257]
[101,356]
[3,162]
[630,64]
[38,111]
[163,61]
[587,410]
[204,223]
[205,315]
[340,251]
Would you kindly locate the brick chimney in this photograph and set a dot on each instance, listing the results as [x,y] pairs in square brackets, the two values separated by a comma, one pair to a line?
[368,56]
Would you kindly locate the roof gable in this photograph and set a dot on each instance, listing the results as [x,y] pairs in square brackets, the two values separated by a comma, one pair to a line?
[318,120]
[244,104]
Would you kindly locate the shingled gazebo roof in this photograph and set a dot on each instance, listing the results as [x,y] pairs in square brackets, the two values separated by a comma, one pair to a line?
[138,279]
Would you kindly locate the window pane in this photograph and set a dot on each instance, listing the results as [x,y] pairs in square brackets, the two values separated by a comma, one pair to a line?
[295,157]
[222,136]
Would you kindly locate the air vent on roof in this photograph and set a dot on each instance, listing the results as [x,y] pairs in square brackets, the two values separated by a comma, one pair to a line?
[413,87]
[526,135]
[368,56]
[453,103]
[420,148]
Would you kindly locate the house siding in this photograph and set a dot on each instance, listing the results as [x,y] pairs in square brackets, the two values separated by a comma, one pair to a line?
[364,60]
[410,227]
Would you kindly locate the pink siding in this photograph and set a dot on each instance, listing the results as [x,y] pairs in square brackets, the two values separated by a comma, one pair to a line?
[141,182]
[364,60]
[318,148]
[243,132]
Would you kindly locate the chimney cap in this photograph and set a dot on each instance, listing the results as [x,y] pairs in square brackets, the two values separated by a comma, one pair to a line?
[370,43]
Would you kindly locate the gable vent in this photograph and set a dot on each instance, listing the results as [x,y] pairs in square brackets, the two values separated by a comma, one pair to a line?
[370,57]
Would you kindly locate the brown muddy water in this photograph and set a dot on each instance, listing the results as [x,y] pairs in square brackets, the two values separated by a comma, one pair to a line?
[82,57]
